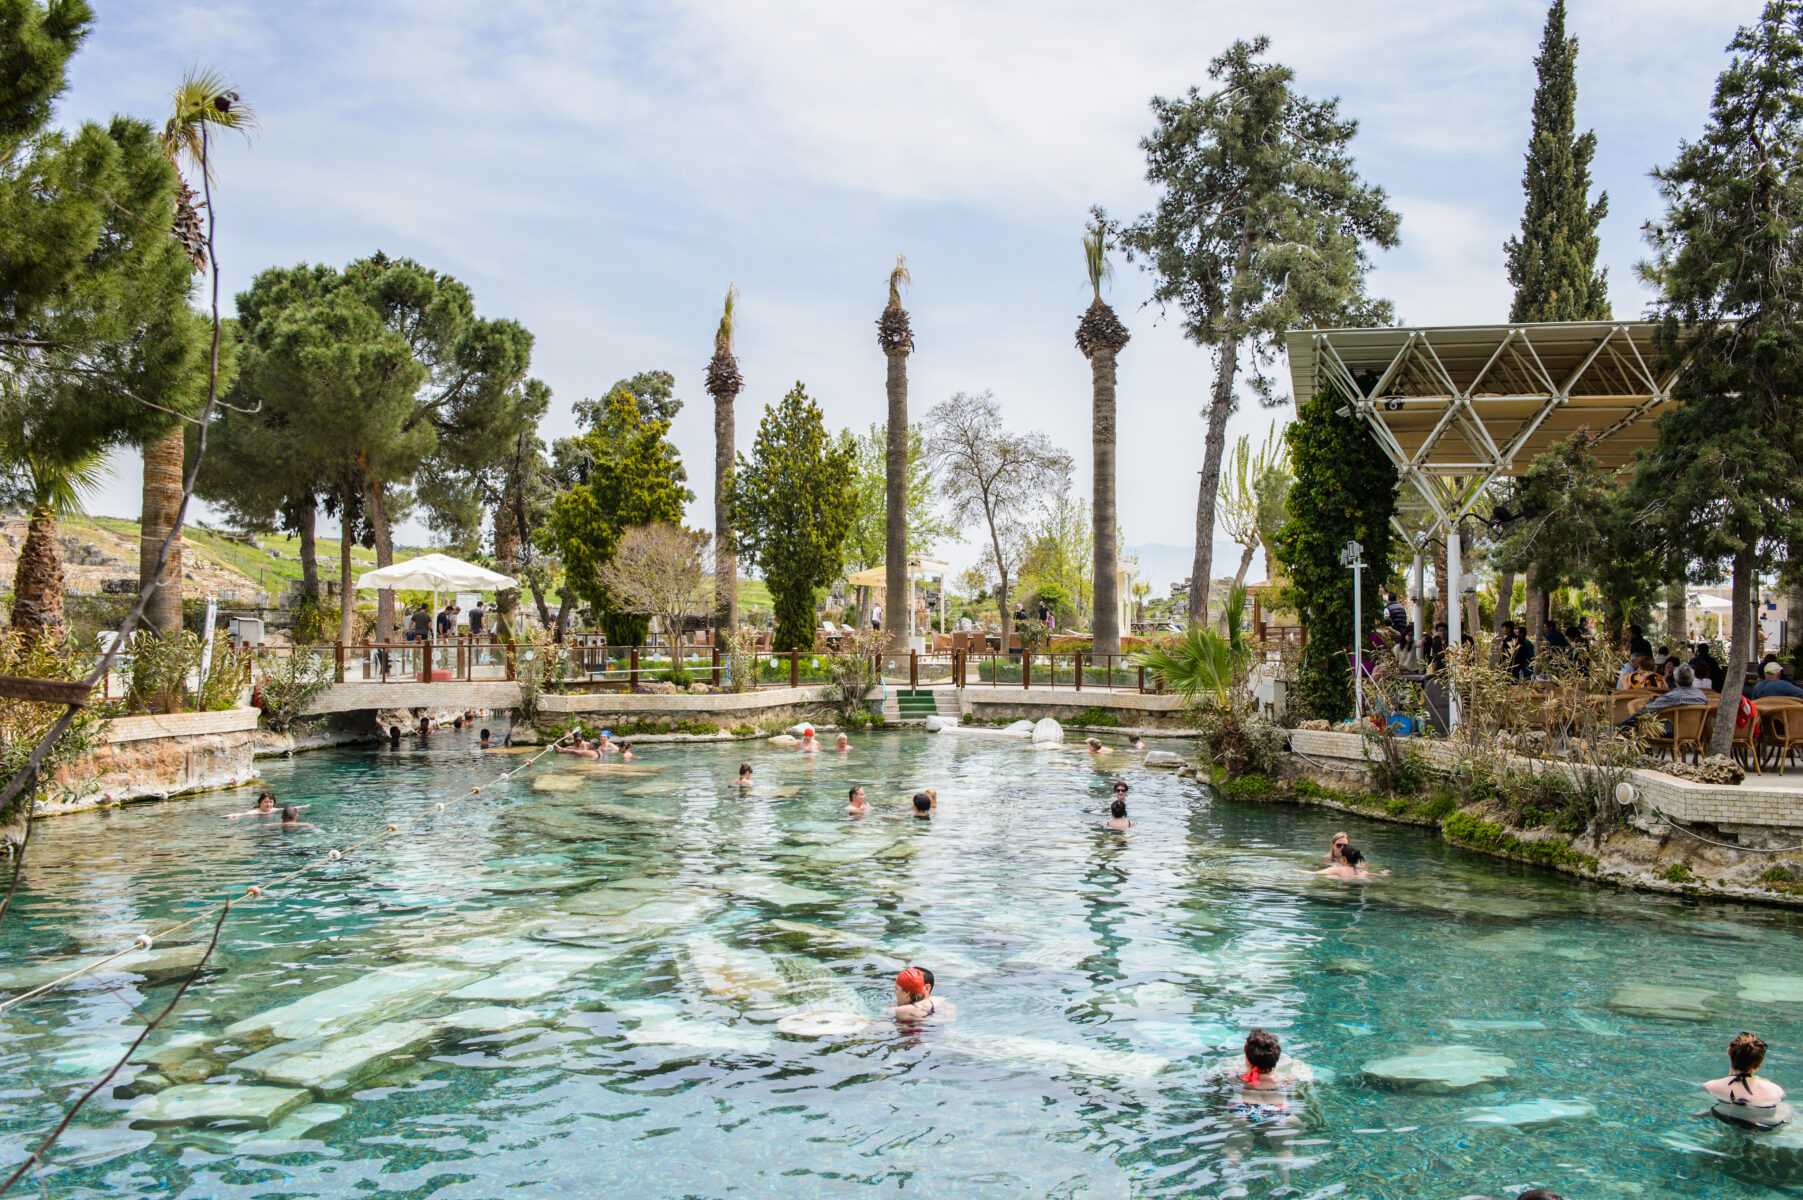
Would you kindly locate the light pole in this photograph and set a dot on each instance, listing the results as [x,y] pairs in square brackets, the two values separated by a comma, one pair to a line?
[1350,556]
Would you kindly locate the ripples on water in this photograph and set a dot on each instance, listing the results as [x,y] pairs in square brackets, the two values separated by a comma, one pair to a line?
[1099,977]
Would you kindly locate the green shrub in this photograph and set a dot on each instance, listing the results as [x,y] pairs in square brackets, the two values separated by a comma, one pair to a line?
[1464,829]
[744,730]
[1096,716]
[1778,875]
[1678,873]
[1242,787]
[680,676]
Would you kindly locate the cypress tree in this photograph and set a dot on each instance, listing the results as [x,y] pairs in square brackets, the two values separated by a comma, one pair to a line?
[1553,263]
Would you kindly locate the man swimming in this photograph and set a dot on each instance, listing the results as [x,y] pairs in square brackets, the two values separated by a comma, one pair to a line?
[923,806]
[1138,743]
[482,744]
[291,819]
[914,998]
[858,806]
[1096,747]
[580,748]
[1741,1099]
[626,754]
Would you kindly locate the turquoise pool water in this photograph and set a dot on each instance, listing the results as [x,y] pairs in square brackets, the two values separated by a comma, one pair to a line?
[575,992]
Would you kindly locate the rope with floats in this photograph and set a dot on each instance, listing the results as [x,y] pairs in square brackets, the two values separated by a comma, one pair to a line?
[145,941]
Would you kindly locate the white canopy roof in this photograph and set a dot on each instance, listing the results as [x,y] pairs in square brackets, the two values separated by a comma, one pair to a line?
[436,573]
[877,576]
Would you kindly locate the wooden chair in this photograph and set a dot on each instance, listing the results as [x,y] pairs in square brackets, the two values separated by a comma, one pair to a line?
[1625,704]
[1740,747]
[1780,727]
[1687,729]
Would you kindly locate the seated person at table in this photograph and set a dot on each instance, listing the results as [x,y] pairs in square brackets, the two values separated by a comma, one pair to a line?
[1774,684]
[1684,691]
[1640,673]
[1637,643]
[1708,672]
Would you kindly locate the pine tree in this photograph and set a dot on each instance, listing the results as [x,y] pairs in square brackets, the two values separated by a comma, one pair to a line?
[1553,263]
[793,503]
[1722,481]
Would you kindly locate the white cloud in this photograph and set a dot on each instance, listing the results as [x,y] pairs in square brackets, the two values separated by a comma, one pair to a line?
[601,171]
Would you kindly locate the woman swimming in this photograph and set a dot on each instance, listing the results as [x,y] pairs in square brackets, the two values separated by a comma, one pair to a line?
[914,997]
[1741,1099]
[1117,816]
[1351,866]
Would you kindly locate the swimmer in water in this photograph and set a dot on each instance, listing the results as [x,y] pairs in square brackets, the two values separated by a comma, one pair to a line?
[858,806]
[265,807]
[932,795]
[923,806]
[1262,1091]
[1117,815]
[843,743]
[1741,1098]
[580,749]
[809,744]
[1351,866]
[626,754]
[425,727]
[744,780]
[1339,843]
[291,819]
[483,743]
[394,737]
[1138,743]
[914,998]
[606,744]
[1096,747]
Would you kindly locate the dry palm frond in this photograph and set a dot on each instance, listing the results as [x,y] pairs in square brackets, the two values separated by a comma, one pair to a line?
[1100,331]
[723,378]
[893,332]
[202,98]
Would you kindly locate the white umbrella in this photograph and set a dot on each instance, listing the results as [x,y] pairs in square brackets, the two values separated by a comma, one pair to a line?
[1706,601]
[434,572]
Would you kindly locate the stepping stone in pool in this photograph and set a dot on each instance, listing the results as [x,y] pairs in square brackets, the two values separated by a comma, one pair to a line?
[700,1036]
[490,1018]
[1349,966]
[333,1064]
[597,934]
[621,812]
[1771,989]
[558,783]
[772,891]
[376,996]
[821,932]
[823,1024]
[281,1138]
[1515,941]
[1531,1112]
[155,965]
[1462,1025]
[194,1103]
[1591,1025]
[525,885]
[1662,1003]
[1439,1069]
[1059,1058]
[530,978]
[725,971]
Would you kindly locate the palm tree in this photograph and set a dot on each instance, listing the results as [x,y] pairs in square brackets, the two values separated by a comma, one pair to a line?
[897,341]
[1100,335]
[724,384]
[1202,661]
[49,490]
[204,98]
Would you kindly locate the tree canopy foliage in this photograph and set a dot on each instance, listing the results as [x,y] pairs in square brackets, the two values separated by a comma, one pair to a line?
[794,501]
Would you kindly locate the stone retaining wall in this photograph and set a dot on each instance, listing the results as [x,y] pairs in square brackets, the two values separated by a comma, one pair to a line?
[357,697]
[724,709]
[1744,808]
[159,756]
[1064,705]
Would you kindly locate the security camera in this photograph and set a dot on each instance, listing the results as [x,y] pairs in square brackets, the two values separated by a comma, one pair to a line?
[1393,404]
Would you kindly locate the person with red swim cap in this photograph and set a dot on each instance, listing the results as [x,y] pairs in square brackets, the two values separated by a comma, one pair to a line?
[914,1000]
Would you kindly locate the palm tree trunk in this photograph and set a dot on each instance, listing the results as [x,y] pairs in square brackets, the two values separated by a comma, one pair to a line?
[895,528]
[726,550]
[378,521]
[37,611]
[162,501]
[308,521]
[1740,650]
[347,599]
[1106,588]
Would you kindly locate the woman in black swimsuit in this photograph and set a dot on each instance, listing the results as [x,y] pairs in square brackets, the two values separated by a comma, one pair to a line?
[1741,1099]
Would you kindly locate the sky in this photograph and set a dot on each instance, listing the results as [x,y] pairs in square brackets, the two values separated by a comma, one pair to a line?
[601,172]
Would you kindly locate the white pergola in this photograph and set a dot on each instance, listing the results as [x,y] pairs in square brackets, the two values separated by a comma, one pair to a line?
[1456,406]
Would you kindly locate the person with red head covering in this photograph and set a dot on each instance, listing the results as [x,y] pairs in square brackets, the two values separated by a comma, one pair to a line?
[914,999]
[809,744]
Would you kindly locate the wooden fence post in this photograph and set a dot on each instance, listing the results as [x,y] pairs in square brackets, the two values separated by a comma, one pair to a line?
[1026,669]
[716,664]
[632,669]
[794,668]
[913,670]
[338,655]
